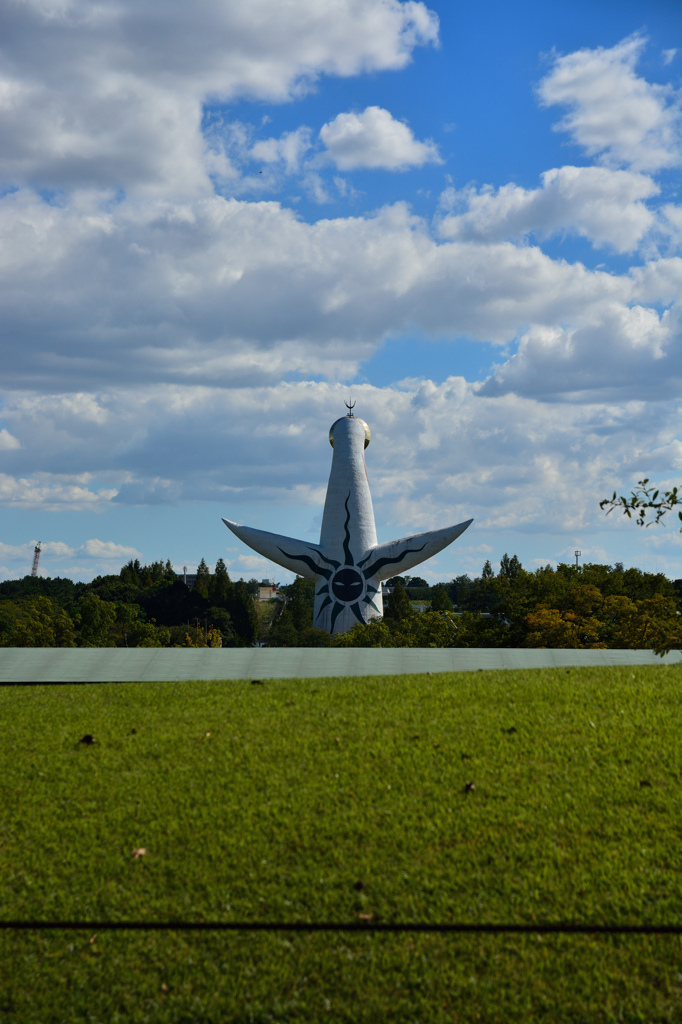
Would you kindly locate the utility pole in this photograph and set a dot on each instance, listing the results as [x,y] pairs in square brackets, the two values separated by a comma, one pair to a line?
[577,556]
[36,559]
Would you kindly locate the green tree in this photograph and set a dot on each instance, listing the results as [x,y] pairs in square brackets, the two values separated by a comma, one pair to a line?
[97,622]
[311,637]
[202,584]
[221,588]
[36,622]
[301,598]
[243,614]
[487,571]
[283,632]
[194,636]
[371,634]
[429,629]
[64,630]
[459,590]
[440,602]
[154,573]
[399,606]
[148,634]
[510,567]
[130,573]
[220,619]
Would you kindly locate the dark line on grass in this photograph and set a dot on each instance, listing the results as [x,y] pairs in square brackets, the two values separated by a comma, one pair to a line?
[77,682]
[562,928]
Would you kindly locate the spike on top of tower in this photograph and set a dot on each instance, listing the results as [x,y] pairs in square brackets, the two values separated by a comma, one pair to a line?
[349,414]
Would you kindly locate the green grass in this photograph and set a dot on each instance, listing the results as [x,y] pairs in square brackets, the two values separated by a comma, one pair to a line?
[323,800]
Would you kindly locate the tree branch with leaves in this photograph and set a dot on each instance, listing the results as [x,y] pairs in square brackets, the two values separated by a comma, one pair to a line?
[644,500]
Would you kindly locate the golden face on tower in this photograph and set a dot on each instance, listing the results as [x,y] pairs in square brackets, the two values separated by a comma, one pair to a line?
[357,420]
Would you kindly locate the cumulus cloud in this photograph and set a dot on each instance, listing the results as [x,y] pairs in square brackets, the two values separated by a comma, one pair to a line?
[289,148]
[8,443]
[372,139]
[597,203]
[614,114]
[58,558]
[107,549]
[439,452]
[148,492]
[147,333]
[628,353]
[227,292]
[52,492]
[110,95]
[91,548]
[375,139]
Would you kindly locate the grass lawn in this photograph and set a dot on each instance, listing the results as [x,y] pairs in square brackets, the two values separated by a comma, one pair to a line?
[327,799]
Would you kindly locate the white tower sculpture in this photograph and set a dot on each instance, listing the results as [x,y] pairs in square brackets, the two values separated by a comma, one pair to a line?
[347,565]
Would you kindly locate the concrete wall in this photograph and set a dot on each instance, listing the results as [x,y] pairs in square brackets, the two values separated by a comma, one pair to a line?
[92,664]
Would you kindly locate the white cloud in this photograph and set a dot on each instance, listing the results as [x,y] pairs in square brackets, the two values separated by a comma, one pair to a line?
[597,203]
[110,95]
[56,549]
[629,352]
[289,148]
[150,491]
[669,56]
[614,114]
[227,292]
[8,443]
[146,336]
[107,549]
[58,558]
[374,139]
[439,453]
[9,552]
[51,492]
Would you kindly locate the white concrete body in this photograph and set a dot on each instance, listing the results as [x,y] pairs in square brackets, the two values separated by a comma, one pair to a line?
[347,565]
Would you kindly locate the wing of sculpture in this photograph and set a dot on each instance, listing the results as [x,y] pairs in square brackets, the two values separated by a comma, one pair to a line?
[397,556]
[296,555]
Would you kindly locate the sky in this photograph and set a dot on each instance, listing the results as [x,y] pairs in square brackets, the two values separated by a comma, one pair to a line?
[219,220]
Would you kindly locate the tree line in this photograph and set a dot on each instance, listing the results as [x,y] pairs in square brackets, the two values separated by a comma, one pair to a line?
[142,606]
[587,606]
[592,605]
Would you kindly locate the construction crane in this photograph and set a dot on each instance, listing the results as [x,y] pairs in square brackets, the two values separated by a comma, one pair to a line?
[36,559]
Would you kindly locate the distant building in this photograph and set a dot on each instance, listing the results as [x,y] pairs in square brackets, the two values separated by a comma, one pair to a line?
[188,578]
[267,589]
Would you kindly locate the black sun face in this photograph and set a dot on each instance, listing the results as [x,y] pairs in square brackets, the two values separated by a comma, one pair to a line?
[347,585]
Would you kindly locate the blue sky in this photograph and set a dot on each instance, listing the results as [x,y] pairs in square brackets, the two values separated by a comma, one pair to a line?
[218,223]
